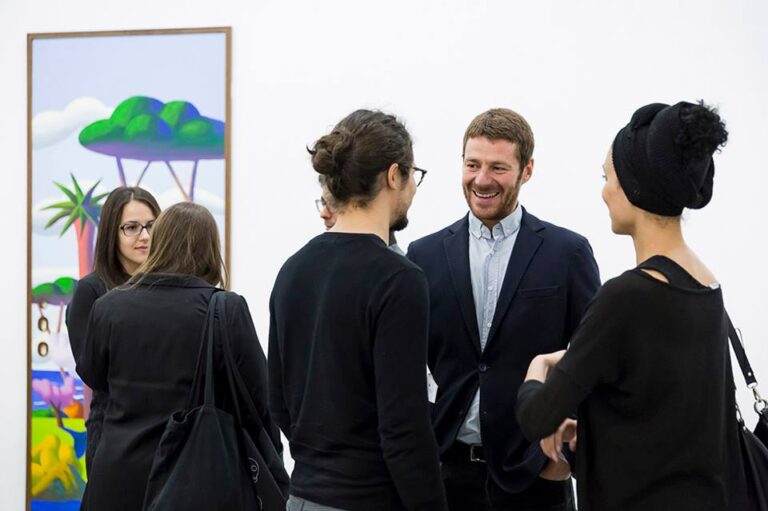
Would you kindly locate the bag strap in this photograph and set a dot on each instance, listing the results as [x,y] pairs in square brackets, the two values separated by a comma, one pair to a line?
[200,378]
[741,355]
[760,405]
[229,368]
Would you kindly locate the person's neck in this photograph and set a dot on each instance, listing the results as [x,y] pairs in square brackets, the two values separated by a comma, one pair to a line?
[372,219]
[653,238]
[129,267]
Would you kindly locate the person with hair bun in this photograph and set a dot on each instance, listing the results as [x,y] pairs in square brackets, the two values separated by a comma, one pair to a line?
[348,336]
[649,366]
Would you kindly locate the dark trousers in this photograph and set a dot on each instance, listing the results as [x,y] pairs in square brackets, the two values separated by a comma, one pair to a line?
[469,488]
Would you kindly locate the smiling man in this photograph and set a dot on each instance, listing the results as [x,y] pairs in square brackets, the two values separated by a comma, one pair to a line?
[504,286]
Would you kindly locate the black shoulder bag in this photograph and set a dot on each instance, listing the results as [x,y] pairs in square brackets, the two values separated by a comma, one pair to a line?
[206,460]
[754,446]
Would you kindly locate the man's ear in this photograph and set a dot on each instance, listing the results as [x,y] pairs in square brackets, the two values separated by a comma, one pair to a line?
[528,171]
[394,178]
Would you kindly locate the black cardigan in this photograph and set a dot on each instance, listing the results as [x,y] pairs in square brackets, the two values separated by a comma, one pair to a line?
[141,349]
[649,370]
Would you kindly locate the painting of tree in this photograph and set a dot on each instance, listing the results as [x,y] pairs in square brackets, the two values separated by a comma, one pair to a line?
[148,130]
[106,109]
[81,210]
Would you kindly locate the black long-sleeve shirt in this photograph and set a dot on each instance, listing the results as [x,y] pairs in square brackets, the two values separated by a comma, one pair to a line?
[88,289]
[649,370]
[347,358]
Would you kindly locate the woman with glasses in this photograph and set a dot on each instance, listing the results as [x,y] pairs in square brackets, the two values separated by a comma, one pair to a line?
[141,350]
[122,244]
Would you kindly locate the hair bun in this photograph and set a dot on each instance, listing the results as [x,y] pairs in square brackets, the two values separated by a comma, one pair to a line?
[330,152]
[701,134]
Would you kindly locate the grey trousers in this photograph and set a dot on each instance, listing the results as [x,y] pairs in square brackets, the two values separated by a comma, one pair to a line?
[299,504]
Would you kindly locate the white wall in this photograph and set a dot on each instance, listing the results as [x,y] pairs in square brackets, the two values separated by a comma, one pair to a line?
[576,70]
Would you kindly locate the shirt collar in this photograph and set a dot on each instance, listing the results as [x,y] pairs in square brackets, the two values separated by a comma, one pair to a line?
[508,225]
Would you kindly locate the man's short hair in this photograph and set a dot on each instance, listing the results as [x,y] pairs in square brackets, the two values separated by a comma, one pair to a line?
[503,124]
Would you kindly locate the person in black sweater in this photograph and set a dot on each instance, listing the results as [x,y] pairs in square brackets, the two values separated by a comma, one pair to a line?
[348,336]
[141,350]
[122,245]
[649,366]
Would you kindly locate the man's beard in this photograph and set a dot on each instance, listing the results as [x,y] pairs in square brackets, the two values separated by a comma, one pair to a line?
[399,224]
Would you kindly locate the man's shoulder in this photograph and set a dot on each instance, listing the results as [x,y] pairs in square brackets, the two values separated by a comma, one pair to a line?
[561,235]
[436,239]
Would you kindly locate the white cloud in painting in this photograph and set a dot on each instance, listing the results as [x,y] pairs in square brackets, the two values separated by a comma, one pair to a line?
[52,126]
[213,202]
[41,216]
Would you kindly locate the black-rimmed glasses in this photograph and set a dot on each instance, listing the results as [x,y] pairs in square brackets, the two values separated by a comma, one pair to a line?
[320,204]
[133,229]
[420,177]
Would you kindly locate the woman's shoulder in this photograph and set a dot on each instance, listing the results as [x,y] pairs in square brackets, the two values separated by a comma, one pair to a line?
[621,284]
[233,301]
[92,281]
[623,290]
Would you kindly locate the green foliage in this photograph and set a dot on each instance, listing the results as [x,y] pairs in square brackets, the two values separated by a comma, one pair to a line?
[133,107]
[175,113]
[83,206]
[146,129]
[58,292]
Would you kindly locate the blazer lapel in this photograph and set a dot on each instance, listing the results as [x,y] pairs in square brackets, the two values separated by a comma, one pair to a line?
[457,253]
[526,245]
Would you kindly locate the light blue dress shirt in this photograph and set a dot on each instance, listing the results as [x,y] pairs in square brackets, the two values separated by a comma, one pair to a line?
[489,252]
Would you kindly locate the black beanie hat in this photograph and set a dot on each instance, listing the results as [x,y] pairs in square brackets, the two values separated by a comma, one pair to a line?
[653,168]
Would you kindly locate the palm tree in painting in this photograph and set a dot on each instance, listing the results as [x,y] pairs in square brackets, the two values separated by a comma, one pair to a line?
[82,211]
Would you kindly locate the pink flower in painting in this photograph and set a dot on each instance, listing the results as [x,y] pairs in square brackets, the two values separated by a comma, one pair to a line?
[57,395]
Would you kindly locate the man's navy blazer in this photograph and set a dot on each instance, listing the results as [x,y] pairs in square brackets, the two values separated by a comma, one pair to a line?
[551,277]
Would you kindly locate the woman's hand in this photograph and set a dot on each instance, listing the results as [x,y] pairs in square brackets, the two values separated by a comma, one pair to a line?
[542,364]
[553,444]
[559,471]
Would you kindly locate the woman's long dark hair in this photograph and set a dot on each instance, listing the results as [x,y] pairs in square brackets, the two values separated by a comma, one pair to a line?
[106,262]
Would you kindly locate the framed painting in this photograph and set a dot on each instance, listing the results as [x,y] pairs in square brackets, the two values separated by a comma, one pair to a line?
[147,108]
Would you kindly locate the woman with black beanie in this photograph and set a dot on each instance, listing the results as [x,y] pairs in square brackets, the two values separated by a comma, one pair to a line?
[648,368]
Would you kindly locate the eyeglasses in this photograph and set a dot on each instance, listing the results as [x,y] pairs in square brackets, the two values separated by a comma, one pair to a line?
[133,229]
[421,175]
[320,204]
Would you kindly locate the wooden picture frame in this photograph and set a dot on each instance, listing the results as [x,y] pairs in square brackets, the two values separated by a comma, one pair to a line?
[86,95]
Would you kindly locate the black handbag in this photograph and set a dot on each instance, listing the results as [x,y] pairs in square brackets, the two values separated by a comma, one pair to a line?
[754,446]
[206,460]
[264,460]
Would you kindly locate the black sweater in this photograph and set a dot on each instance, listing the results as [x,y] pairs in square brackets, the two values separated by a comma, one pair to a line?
[649,370]
[141,350]
[347,358]
[89,289]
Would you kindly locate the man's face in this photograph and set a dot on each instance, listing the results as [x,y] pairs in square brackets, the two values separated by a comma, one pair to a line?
[492,178]
[407,191]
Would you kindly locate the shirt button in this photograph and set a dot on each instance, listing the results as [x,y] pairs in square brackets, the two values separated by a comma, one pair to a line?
[482,367]
[488,325]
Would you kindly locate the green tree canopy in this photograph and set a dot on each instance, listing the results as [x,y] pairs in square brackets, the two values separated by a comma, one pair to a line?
[146,129]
